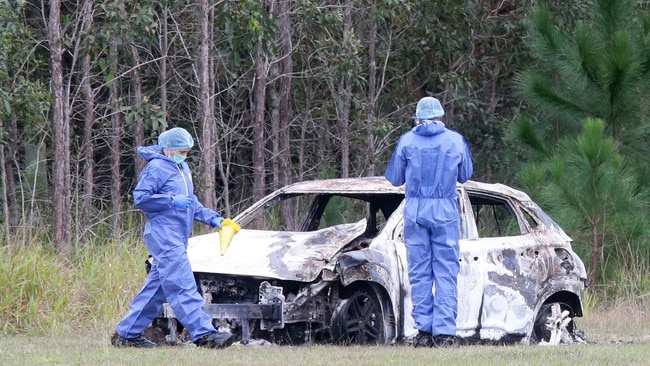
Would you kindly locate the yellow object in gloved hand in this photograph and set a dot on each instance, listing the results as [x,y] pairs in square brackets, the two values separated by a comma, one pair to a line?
[228,229]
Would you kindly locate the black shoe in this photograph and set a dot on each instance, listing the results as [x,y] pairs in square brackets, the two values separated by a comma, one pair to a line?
[216,340]
[423,339]
[445,341]
[138,342]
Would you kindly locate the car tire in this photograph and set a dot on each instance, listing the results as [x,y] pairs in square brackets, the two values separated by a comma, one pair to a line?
[359,320]
[554,325]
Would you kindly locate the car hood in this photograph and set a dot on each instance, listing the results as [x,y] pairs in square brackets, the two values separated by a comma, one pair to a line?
[294,256]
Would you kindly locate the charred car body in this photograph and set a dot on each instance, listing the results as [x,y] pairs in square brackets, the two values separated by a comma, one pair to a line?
[324,262]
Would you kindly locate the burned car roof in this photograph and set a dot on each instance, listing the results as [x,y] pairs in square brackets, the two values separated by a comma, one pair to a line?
[380,185]
[342,185]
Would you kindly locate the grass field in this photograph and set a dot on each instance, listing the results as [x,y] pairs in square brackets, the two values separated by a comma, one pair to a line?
[70,350]
[62,311]
[619,335]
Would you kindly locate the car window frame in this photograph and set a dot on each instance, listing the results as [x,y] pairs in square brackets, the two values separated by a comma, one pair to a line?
[514,207]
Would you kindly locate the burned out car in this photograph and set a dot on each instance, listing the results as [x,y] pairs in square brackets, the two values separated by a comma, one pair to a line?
[325,262]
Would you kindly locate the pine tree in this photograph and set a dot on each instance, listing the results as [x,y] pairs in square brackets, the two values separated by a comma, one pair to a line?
[587,94]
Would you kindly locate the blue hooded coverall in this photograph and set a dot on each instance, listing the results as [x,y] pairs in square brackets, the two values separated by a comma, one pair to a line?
[430,159]
[165,235]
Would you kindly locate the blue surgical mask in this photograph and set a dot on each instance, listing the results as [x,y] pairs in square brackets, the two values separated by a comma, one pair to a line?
[178,158]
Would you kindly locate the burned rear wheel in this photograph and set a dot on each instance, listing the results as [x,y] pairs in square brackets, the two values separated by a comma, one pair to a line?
[358,320]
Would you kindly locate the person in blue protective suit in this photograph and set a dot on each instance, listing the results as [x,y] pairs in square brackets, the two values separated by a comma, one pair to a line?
[165,194]
[430,159]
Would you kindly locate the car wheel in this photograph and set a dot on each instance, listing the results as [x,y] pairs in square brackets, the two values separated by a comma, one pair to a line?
[358,319]
[554,325]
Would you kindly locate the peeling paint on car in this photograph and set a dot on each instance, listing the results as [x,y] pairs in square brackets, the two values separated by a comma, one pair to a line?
[511,286]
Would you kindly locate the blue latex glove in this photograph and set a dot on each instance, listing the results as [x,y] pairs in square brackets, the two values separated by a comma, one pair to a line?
[216,222]
[182,201]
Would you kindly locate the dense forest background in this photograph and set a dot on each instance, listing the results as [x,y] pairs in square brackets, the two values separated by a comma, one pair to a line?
[551,96]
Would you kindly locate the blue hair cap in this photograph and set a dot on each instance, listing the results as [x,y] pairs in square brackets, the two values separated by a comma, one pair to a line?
[429,108]
[175,139]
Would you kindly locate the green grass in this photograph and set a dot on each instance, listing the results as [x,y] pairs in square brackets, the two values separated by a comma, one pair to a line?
[44,292]
[619,335]
[70,349]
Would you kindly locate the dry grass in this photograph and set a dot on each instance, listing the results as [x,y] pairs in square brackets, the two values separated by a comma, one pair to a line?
[622,323]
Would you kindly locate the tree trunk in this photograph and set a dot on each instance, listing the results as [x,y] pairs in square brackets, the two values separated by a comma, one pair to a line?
[284,105]
[222,166]
[137,96]
[206,119]
[595,256]
[14,207]
[343,112]
[371,100]
[114,143]
[304,127]
[60,134]
[259,97]
[274,116]
[3,182]
[164,49]
[87,146]
[136,104]
[343,98]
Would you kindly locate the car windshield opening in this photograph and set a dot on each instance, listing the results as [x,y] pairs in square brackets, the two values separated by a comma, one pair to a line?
[310,212]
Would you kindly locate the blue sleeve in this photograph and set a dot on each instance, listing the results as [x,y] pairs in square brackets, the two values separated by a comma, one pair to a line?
[203,214]
[395,173]
[145,194]
[466,167]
